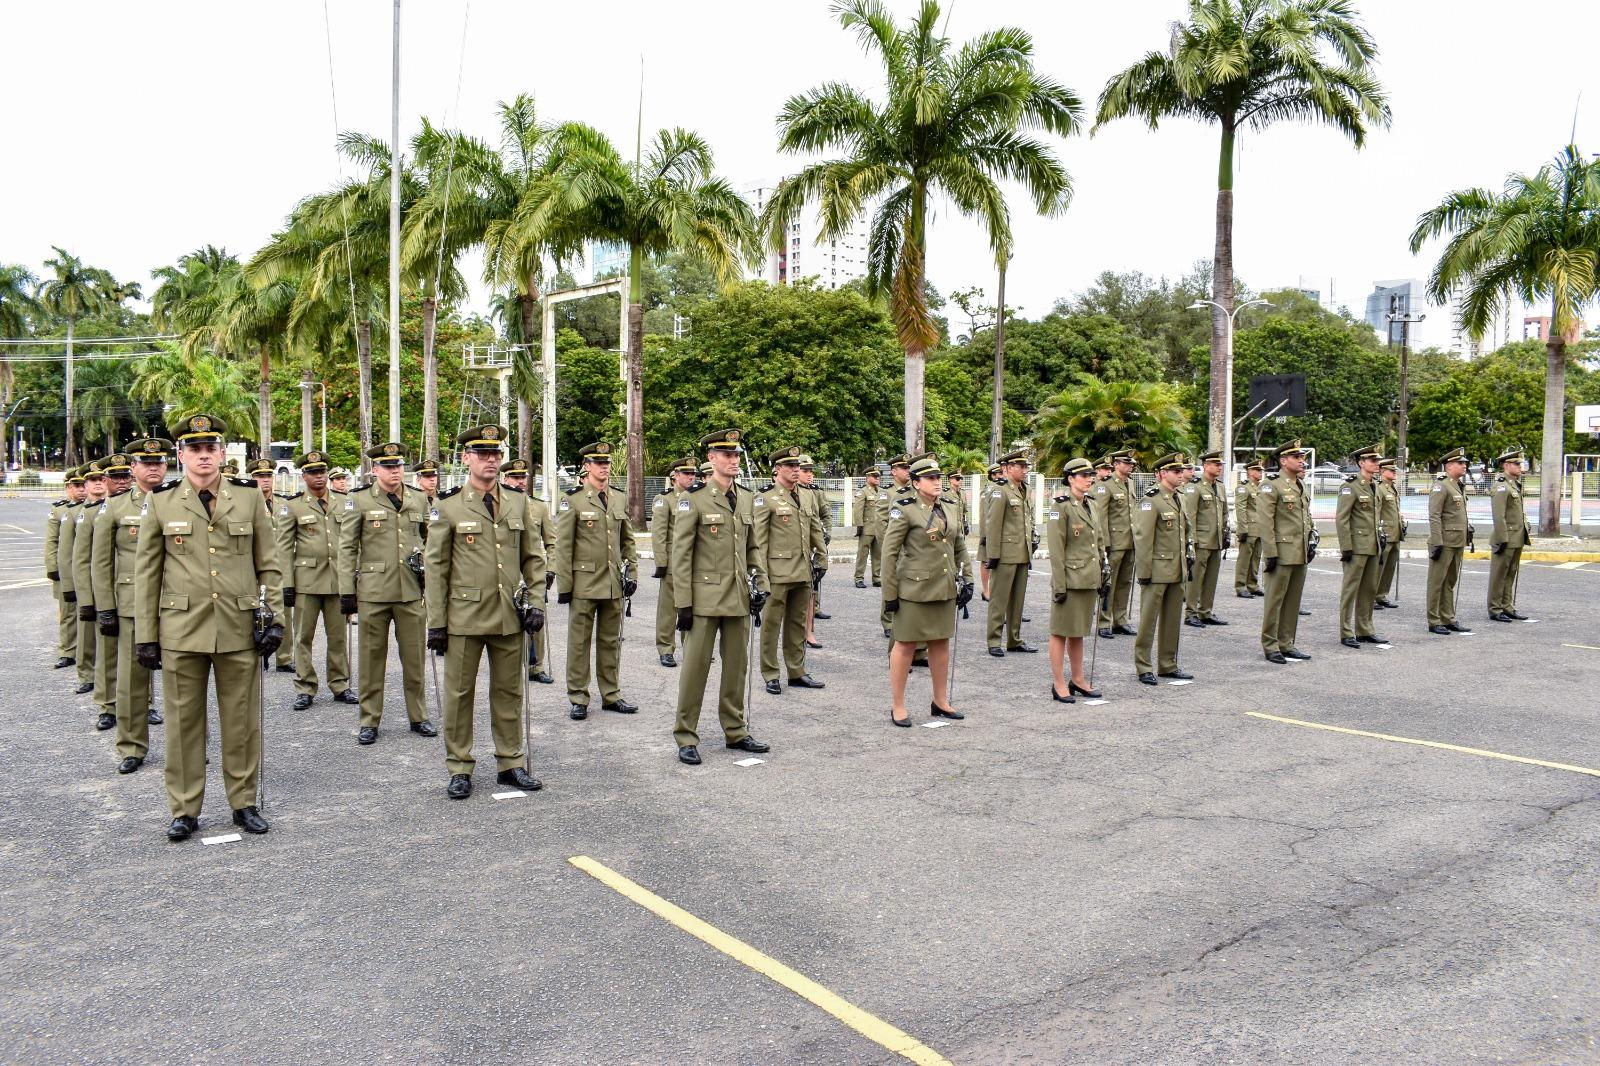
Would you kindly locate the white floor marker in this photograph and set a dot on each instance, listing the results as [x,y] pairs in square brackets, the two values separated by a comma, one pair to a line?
[226,838]
[1189,682]
[934,725]
[752,761]
[513,794]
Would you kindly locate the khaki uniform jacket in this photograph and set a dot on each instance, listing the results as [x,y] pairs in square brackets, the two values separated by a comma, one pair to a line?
[592,543]
[1389,511]
[1076,545]
[475,563]
[1207,510]
[116,539]
[714,551]
[1161,538]
[1447,514]
[1008,526]
[1114,501]
[1246,512]
[69,533]
[52,537]
[814,501]
[374,542]
[872,507]
[82,552]
[1285,513]
[197,578]
[920,559]
[1510,519]
[786,533]
[308,541]
[661,527]
[543,524]
[1356,516]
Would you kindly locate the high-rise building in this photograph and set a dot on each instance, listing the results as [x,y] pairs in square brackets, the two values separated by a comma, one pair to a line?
[831,263]
[1443,326]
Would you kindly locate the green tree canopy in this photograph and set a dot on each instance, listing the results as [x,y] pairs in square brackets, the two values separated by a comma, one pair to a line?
[1092,417]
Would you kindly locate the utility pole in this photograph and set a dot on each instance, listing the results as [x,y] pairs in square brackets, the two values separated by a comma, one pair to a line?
[995,427]
[1405,319]
[394,239]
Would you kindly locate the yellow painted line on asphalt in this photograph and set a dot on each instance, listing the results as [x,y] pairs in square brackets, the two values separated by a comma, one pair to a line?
[868,1025]
[1428,744]
[1584,647]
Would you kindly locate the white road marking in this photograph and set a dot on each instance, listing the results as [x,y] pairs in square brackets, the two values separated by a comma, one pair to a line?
[1180,682]
[934,725]
[26,584]
[752,761]
[513,794]
[226,838]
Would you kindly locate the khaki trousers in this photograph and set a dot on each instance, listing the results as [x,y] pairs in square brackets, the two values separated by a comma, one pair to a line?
[666,618]
[1247,565]
[1357,590]
[1008,587]
[1160,608]
[184,681]
[67,626]
[1387,584]
[505,698]
[785,616]
[105,671]
[1117,611]
[599,621]
[309,609]
[1280,611]
[1443,574]
[1503,571]
[286,649]
[869,547]
[1201,594]
[133,696]
[84,642]
[409,624]
[698,644]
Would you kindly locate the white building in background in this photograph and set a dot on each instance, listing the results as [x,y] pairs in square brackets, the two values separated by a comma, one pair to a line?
[832,263]
[1442,327]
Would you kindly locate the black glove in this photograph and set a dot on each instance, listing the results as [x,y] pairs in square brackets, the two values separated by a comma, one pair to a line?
[533,619]
[70,597]
[685,619]
[347,604]
[1189,563]
[1435,551]
[1227,541]
[1271,564]
[1034,543]
[660,573]
[288,597]
[629,587]
[1498,548]
[270,640]
[858,532]
[891,606]
[990,564]
[86,612]
[564,597]
[1059,597]
[438,641]
[148,655]
[54,575]
[758,600]
[963,593]
[1346,555]
[1144,581]
[109,626]
[549,579]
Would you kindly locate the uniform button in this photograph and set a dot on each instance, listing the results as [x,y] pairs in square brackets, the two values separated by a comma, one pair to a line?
[213,573]
[214,595]
[211,529]
[213,551]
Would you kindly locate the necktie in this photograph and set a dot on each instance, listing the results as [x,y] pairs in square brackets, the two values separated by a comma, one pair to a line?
[730,502]
[394,501]
[205,499]
[795,495]
[322,505]
[603,505]
[488,501]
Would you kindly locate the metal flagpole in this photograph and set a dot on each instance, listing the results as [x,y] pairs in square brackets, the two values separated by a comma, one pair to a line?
[394,238]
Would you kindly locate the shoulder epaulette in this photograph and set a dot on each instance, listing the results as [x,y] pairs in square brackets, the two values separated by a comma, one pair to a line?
[1349,479]
[1501,477]
[508,488]
[909,497]
[696,487]
[1153,490]
[123,492]
[242,482]
[291,496]
[165,486]
[61,503]
[948,499]
[1063,498]
[1272,476]
[769,486]
[746,488]
[447,493]
[574,490]
[1441,477]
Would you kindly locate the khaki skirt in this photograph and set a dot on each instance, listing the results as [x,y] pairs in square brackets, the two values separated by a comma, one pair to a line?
[919,622]
[1075,618]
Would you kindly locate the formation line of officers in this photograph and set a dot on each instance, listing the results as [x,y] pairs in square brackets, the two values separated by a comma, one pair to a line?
[200,579]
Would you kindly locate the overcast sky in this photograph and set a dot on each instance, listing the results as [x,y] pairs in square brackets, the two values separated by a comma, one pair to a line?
[137,132]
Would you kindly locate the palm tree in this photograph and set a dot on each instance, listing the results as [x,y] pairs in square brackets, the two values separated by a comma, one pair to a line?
[1537,239]
[1093,417]
[667,199]
[17,309]
[75,290]
[102,401]
[1247,64]
[952,123]
[189,384]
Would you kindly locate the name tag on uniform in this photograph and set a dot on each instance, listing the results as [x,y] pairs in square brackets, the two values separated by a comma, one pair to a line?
[376,515]
[469,527]
[712,519]
[308,520]
[588,516]
[179,529]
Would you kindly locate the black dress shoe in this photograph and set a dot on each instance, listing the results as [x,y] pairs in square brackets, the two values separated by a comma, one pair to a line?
[542,678]
[87,686]
[689,754]
[861,584]
[1024,647]
[903,723]
[249,819]
[1105,634]
[64,662]
[1179,675]
[1025,618]
[425,728]
[460,786]
[1443,631]
[806,681]
[1499,616]
[1277,657]
[668,661]
[368,734]
[182,827]
[1123,631]
[1258,592]
[1296,653]
[812,643]
[920,660]
[620,706]
[578,712]
[1147,679]
[1350,642]
[887,635]
[1452,627]
[998,653]
[1386,604]
[1075,689]
[1373,639]
[750,744]
[822,616]
[517,777]
[105,721]
[1515,617]
[1305,614]
[1213,621]
[773,688]
[877,584]
[939,712]
[153,717]
[302,701]
[1198,623]
[286,668]
[1245,595]
[347,696]
[129,764]
[1058,697]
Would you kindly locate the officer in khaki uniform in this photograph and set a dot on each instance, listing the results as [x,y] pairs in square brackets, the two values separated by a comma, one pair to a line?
[115,544]
[1161,546]
[74,582]
[262,471]
[112,473]
[480,552]
[66,613]
[515,474]
[339,480]
[64,536]
[1394,531]
[1247,565]
[1448,533]
[425,478]
[1205,505]
[1360,549]
[871,505]
[786,534]
[814,498]
[715,561]
[994,475]
[382,537]
[204,555]
[1114,501]
[308,541]
[1008,536]
[679,478]
[1285,518]
[594,540]
[1074,537]
[1510,536]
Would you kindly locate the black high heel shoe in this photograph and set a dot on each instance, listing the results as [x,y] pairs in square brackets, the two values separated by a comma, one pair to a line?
[939,712]
[1086,693]
[903,723]
[1058,697]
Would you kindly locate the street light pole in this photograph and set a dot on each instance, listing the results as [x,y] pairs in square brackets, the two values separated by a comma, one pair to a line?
[1406,319]
[1227,384]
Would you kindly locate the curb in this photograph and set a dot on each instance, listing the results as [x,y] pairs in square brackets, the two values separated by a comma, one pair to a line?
[1544,557]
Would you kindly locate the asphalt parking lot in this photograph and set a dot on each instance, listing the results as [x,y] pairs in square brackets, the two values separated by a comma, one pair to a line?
[1164,877]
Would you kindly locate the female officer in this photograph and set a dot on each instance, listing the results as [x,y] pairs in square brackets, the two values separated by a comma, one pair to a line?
[926,577]
[1077,556]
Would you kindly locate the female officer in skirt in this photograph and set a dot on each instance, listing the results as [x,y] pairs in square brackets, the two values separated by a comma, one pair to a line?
[926,577]
[1077,555]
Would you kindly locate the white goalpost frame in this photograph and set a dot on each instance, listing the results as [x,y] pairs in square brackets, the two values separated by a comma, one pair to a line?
[547,456]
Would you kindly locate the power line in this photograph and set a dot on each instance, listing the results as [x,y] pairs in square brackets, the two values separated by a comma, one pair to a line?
[90,341]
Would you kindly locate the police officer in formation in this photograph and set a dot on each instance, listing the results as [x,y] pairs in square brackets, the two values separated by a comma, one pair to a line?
[1287,549]
[74,587]
[788,534]
[516,473]
[1247,566]
[381,573]
[1114,505]
[1394,528]
[595,560]
[205,564]
[1362,545]
[1161,563]
[1511,534]
[871,507]
[815,500]
[680,476]
[485,579]
[994,475]
[308,538]
[1079,577]
[1448,536]
[1206,506]
[425,478]
[719,584]
[66,612]
[1009,538]
[115,473]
